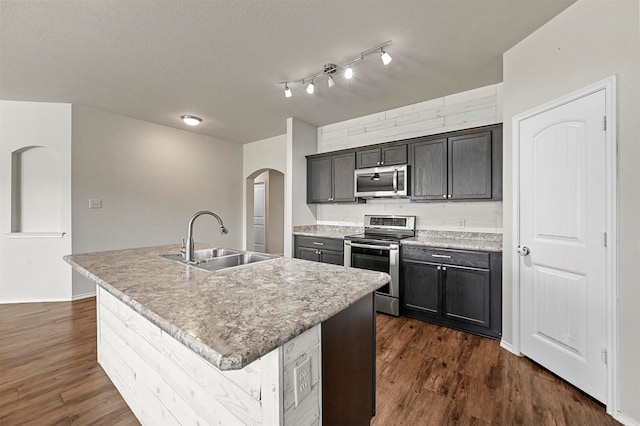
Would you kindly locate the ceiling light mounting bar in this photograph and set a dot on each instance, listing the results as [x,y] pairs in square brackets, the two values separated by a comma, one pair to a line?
[333,68]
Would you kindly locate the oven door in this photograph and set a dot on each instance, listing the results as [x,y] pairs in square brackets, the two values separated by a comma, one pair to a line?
[375,258]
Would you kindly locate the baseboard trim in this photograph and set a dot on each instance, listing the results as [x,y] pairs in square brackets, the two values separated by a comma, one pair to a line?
[83,296]
[627,421]
[507,346]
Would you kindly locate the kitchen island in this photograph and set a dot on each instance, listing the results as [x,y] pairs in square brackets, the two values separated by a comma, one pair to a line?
[242,345]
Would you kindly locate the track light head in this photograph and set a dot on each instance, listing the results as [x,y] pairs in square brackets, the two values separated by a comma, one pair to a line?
[330,81]
[348,73]
[310,88]
[287,91]
[386,58]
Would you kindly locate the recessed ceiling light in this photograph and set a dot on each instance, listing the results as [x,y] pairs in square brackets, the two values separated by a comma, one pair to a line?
[191,120]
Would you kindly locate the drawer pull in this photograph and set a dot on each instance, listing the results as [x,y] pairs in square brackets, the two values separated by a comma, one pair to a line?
[318,243]
[443,256]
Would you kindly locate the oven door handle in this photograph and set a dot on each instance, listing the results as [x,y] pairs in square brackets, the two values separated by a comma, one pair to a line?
[357,245]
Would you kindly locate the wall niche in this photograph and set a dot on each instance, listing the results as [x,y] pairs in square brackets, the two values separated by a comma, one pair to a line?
[36,190]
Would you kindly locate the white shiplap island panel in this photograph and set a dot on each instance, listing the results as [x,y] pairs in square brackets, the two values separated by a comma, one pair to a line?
[164,382]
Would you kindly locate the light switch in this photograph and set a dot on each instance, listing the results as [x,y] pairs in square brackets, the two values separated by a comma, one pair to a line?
[95,203]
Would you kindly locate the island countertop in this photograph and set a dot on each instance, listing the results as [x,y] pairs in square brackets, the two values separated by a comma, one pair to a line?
[233,316]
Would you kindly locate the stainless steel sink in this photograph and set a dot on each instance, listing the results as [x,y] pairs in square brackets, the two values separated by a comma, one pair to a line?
[215,259]
[211,253]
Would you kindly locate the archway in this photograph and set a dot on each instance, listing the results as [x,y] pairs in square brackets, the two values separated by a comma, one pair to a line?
[265,211]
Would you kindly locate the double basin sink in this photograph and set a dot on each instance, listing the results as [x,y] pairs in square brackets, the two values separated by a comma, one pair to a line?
[215,259]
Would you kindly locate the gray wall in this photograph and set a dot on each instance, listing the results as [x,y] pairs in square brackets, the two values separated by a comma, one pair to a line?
[151,180]
[588,42]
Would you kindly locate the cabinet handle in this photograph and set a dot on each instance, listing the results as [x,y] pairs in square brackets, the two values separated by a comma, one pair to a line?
[444,268]
[444,256]
[444,196]
[317,243]
[382,163]
[449,196]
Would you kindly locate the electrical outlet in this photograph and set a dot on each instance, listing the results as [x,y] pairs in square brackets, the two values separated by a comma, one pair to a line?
[460,223]
[95,203]
[302,380]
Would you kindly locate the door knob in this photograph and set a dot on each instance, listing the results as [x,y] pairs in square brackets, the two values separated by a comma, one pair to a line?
[522,250]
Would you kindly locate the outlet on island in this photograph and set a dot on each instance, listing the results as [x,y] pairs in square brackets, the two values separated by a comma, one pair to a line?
[302,380]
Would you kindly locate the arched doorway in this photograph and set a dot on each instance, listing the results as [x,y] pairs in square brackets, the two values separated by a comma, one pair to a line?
[265,211]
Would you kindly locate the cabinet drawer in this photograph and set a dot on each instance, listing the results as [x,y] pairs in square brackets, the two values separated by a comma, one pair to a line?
[473,259]
[320,243]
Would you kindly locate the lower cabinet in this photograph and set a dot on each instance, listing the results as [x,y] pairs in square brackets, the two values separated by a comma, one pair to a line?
[455,288]
[319,249]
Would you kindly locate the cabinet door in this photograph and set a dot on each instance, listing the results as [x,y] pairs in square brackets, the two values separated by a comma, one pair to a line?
[343,177]
[421,287]
[429,170]
[393,155]
[368,158]
[333,257]
[319,179]
[466,295]
[470,166]
[308,254]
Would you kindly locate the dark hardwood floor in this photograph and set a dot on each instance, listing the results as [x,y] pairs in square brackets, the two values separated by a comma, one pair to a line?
[427,375]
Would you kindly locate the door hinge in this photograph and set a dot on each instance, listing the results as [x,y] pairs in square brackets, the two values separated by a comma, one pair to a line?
[603,355]
[604,239]
[604,122]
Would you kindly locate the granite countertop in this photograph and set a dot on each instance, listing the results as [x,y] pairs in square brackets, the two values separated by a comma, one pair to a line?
[443,239]
[457,240]
[327,231]
[230,317]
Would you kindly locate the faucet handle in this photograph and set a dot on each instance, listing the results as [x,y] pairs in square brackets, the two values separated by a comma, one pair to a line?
[183,249]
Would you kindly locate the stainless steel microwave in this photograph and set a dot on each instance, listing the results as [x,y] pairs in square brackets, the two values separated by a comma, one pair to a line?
[387,181]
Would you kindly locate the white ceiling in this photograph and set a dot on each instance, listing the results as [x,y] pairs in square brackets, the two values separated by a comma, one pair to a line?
[221,60]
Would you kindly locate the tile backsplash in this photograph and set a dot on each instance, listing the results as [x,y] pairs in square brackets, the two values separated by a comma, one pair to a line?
[476,216]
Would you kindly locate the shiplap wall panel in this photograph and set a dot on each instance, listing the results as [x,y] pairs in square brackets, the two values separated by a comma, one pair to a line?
[477,107]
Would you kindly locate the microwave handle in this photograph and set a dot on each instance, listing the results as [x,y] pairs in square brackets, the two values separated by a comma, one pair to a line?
[395,180]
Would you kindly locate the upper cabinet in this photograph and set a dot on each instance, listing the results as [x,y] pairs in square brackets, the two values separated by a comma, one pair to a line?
[464,166]
[330,178]
[385,156]
[461,165]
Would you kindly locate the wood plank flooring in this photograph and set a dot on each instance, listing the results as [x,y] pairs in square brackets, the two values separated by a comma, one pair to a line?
[426,375]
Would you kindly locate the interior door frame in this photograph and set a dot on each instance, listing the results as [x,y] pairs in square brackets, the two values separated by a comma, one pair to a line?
[611,187]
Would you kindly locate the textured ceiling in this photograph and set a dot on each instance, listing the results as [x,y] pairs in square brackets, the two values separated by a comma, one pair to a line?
[221,60]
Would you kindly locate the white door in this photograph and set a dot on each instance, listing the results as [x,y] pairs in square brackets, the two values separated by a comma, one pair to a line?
[562,223]
[259,214]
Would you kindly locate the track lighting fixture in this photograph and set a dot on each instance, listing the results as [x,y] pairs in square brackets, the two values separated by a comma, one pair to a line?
[330,69]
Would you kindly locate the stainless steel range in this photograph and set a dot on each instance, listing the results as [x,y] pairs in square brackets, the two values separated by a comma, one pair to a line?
[378,249]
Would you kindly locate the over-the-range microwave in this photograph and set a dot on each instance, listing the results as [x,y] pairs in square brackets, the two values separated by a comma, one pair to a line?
[387,181]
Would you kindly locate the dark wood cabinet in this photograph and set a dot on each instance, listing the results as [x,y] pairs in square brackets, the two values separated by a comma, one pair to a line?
[455,288]
[463,166]
[319,249]
[385,156]
[330,178]
[429,170]
[469,166]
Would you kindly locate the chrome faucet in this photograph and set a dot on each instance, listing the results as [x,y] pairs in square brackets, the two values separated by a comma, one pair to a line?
[188,251]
